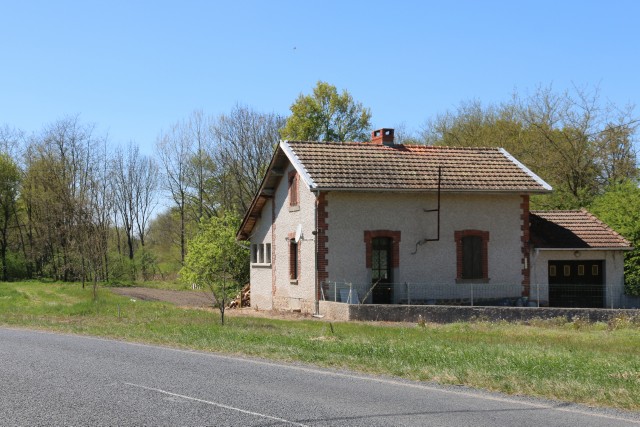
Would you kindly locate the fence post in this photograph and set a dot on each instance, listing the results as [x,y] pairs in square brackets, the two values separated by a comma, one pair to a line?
[350,298]
[538,293]
[471,294]
[335,291]
[408,293]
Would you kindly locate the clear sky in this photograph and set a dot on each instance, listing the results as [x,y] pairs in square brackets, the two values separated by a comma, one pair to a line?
[135,67]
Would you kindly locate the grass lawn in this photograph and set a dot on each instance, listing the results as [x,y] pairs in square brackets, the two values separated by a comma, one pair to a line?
[594,364]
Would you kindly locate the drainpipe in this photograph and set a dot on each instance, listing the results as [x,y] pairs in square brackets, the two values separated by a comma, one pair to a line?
[317,285]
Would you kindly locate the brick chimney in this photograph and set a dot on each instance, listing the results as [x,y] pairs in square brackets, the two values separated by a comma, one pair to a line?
[382,136]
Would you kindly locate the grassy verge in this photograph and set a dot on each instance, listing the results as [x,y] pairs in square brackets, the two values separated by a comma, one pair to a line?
[595,364]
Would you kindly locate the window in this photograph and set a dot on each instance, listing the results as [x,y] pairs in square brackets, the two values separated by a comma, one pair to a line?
[267,253]
[294,268]
[261,254]
[254,253]
[293,189]
[472,255]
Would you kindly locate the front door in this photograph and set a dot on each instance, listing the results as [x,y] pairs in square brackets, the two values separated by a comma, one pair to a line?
[381,270]
[576,284]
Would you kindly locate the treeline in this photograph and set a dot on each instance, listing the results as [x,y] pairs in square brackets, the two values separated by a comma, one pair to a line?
[74,208]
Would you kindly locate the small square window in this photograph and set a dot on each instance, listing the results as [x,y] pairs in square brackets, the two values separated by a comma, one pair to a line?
[567,270]
[552,270]
[594,270]
[581,270]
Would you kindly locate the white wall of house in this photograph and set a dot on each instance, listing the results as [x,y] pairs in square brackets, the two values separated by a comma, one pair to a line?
[613,270]
[261,272]
[271,287]
[434,263]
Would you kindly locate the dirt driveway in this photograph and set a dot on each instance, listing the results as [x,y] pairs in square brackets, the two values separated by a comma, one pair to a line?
[199,300]
[191,299]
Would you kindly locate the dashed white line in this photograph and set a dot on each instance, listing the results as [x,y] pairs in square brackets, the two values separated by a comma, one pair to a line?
[219,405]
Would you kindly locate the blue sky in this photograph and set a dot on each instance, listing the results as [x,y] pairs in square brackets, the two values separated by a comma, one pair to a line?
[135,67]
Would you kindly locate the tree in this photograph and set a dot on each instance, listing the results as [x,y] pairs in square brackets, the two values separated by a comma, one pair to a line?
[174,149]
[619,207]
[136,178]
[245,140]
[216,261]
[9,182]
[574,141]
[60,168]
[326,115]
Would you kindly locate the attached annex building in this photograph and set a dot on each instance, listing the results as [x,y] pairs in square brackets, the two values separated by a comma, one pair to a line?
[421,218]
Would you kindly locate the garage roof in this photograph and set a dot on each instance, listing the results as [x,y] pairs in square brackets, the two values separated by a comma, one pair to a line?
[574,229]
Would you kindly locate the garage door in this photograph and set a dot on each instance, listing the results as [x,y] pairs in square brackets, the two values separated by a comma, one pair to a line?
[578,284]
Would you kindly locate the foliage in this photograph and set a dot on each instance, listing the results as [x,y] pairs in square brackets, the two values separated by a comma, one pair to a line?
[619,207]
[9,187]
[574,141]
[215,261]
[326,115]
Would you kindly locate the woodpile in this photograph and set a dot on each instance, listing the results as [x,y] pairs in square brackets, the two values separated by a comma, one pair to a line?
[243,299]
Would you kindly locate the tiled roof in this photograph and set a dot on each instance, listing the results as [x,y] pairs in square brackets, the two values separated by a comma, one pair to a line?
[576,229]
[353,166]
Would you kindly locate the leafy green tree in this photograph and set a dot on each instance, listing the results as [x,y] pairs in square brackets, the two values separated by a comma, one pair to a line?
[326,115]
[9,182]
[574,141]
[215,261]
[619,207]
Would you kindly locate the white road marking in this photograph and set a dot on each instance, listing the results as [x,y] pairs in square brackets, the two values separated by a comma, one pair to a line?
[219,405]
[389,381]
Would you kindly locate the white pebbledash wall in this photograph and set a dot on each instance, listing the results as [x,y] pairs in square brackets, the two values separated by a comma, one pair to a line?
[433,263]
[271,287]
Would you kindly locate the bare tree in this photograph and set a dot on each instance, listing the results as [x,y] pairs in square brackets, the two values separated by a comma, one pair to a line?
[136,179]
[245,140]
[174,150]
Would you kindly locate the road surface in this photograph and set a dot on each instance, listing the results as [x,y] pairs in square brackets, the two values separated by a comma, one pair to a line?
[56,379]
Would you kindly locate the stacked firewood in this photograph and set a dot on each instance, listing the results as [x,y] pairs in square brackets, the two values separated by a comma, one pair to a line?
[243,299]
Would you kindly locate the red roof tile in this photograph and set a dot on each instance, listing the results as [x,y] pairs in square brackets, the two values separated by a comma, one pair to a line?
[573,230]
[352,166]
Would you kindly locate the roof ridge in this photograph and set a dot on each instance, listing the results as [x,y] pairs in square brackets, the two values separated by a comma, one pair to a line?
[372,144]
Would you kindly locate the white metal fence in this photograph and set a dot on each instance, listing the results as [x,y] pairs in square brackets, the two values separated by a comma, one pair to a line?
[472,294]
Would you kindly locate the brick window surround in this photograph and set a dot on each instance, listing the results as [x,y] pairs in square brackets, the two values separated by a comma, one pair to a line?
[484,254]
[294,197]
[369,235]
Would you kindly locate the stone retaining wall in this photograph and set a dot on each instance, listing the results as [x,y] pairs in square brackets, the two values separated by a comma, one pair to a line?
[450,314]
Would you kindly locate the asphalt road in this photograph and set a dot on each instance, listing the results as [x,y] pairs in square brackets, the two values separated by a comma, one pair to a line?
[54,379]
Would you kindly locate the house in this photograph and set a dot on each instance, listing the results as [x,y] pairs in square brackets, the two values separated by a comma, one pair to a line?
[386,223]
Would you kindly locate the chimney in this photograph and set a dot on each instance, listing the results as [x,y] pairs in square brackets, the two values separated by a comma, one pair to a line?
[382,136]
